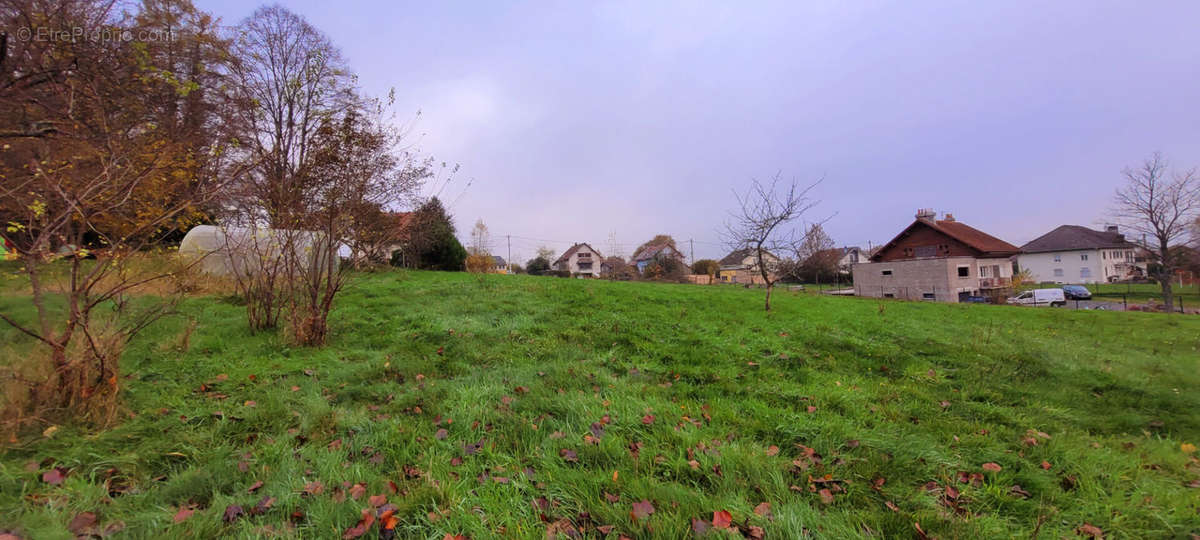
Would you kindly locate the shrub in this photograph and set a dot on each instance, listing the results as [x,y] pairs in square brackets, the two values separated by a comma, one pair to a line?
[480,264]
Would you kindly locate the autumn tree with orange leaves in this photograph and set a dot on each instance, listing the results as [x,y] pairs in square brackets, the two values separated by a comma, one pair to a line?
[110,145]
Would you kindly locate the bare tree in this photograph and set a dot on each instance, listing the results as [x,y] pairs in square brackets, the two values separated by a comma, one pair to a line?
[289,78]
[356,161]
[761,223]
[1161,204]
[481,239]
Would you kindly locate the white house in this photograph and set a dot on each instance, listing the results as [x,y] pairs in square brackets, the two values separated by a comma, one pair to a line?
[581,261]
[1075,254]
[850,257]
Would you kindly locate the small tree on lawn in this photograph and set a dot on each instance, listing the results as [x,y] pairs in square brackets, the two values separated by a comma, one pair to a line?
[354,163]
[706,267]
[1162,205]
[102,158]
[761,222]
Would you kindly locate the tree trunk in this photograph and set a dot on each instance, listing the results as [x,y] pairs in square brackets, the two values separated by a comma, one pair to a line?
[768,302]
[1164,276]
[1168,294]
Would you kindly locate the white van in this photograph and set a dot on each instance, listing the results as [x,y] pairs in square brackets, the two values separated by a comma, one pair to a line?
[1040,297]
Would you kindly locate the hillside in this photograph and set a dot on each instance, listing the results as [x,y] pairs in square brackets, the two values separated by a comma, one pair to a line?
[514,405]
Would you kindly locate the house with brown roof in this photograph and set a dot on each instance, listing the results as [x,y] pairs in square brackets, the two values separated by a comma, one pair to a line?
[741,266]
[580,260]
[1075,254]
[650,253]
[939,260]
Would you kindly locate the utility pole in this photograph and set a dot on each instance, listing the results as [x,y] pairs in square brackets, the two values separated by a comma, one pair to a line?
[508,237]
[692,250]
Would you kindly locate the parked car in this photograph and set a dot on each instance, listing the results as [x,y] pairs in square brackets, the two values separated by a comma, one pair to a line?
[1040,298]
[1077,292]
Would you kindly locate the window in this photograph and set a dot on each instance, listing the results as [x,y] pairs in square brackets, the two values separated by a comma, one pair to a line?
[1058,258]
[983,272]
[1128,255]
[1083,256]
[1103,254]
[964,271]
[887,272]
[1058,272]
[926,251]
[888,295]
[1085,272]
[927,296]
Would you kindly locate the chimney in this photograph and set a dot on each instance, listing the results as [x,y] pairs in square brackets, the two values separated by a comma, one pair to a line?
[926,214]
[1110,228]
[949,216]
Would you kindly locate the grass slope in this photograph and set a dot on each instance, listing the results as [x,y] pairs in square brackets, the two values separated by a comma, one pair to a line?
[891,401]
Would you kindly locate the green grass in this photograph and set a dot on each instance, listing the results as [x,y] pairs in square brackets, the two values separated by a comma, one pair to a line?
[1143,292]
[911,393]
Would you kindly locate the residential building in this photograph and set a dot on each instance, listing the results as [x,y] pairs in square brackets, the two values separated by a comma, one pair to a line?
[500,266]
[741,266]
[851,256]
[652,252]
[1075,254]
[580,260]
[939,260]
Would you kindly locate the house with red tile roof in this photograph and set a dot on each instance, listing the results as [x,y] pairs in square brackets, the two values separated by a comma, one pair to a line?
[938,260]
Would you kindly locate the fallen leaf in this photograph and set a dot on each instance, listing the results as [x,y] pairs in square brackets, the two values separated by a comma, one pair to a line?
[1087,529]
[82,522]
[811,409]
[699,526]
[568,455]
[54,476]
[605,529]
[1188,448]
[648,419]
[612,498]
[763,509]
[314,488]
[641,510]
[773,450]
[183,514]
[721,519]
[992,467]
[263,505]
[377,500]
[232,513]
[254,487]
[364,524]
[441,434]
[1046,465]
[891,506]
[358,490]
[826,496]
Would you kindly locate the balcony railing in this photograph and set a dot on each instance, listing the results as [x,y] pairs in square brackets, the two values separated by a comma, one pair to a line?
[994,282]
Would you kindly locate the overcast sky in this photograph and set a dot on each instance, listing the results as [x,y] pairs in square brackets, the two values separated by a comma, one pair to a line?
[577,121]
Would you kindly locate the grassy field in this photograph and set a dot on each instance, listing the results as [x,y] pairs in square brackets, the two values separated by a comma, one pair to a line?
[1143,292]
[518,406]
